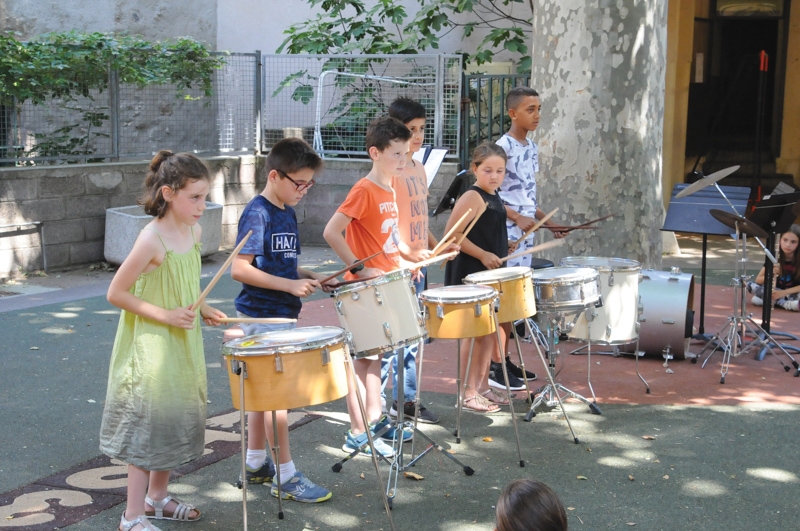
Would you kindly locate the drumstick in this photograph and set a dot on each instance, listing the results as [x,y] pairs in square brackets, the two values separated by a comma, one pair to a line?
[478,214]
[221,271]
[432,260]
[439,246]
[276,320]
[535,249]
[348,268]
[587,225]
[536,226]
[461,238]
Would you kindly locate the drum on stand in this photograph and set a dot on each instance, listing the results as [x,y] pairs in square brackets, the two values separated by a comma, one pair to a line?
[287,369]
[514,287]
[667,313]
[459,312]
[565,289]
[382,314]
[614,323]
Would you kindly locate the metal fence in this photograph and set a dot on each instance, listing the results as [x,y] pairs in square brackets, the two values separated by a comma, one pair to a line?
[484,114]
[330,99]
[132,122]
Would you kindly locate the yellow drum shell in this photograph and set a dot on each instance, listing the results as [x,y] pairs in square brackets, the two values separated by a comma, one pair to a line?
[304,380]
[515,289]
[450,311]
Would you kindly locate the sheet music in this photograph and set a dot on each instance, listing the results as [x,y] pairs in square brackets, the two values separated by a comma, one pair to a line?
[431,159]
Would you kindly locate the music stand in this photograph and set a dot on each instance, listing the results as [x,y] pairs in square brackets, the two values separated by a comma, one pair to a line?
[692,215]
[775,214]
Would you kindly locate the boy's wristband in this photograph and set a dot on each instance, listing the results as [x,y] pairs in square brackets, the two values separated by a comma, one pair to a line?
[356,269]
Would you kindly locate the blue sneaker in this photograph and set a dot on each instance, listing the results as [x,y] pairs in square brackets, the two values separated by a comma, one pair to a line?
[390,434]
[352,444]
[264,474]
[300,488]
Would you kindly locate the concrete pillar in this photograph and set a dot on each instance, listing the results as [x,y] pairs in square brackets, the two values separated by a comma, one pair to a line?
[599,66]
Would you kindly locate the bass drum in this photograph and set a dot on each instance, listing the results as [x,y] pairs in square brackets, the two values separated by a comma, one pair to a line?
[666,305]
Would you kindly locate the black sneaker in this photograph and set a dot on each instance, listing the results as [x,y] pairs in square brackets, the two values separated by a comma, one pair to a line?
[426,416]
[496,378]
[517,371]
[263,475]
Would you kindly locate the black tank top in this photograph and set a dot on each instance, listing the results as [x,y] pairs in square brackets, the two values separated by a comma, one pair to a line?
[489,233]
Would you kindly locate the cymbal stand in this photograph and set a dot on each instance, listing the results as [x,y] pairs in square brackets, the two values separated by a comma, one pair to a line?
[549,394]
[733,333]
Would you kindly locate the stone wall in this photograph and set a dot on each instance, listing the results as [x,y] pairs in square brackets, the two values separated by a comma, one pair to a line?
[71,201]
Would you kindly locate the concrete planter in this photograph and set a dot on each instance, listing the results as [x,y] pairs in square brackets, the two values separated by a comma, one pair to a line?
[123,225]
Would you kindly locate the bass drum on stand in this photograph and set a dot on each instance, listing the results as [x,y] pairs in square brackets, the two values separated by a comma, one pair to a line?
[666,320]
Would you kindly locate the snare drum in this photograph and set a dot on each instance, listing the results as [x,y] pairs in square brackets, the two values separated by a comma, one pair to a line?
[514,287]
[458,312]
[382,314]
[289,368]
[615,322]
[565,288]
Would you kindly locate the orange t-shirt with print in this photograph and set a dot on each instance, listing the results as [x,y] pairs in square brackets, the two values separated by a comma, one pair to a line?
[411,192]
[373,225]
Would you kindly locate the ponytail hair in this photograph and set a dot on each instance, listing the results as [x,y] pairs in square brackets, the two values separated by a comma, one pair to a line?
[172,170]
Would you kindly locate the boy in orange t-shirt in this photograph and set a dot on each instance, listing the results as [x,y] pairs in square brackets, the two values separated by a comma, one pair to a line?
[368,219]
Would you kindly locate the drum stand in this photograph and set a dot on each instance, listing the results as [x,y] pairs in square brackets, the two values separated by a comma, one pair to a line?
[396,464]
[549,393]
[239,367]
[733,333]
[462,389]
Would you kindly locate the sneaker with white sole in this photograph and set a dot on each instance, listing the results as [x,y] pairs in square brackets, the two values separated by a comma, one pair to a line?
[391,432]
[496,378]
[263,474]
[300,488]
[353,443]
[791,305]
[426,416]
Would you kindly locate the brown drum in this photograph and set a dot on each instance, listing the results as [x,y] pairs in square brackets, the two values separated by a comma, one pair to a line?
[288,368]
[458,312]
[515,288]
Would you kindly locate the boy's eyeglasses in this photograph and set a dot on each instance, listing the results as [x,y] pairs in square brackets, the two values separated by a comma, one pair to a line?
[298,186]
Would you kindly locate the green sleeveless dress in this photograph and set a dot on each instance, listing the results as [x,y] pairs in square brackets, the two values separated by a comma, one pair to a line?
[155,410]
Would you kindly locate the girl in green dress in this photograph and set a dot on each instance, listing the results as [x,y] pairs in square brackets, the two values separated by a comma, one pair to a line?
[155,410]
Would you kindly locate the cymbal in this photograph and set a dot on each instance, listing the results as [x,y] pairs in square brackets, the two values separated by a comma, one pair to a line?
[708,180]
[745,225]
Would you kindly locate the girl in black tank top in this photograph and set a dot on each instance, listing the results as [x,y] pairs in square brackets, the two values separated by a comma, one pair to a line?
[482,249]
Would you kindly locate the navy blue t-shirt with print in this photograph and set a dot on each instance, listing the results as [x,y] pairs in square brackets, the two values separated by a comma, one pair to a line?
[274,245]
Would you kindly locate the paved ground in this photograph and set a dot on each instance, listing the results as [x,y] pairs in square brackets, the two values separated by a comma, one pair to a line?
[692,454]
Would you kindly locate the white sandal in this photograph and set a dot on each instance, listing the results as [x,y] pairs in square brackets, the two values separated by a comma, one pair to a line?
[127,525]
[180,513]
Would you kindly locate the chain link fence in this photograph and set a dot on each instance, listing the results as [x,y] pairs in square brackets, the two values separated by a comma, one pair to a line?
[132,122]
[329,100]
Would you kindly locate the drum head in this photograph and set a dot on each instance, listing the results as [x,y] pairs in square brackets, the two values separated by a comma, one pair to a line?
[563,273]
[383,279]
[601,264]
[498,275]
[283,341]
[459,294]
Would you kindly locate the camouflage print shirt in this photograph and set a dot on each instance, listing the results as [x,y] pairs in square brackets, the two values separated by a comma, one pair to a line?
[519,186]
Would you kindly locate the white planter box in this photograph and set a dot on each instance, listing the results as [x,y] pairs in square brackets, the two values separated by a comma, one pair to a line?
[123,225]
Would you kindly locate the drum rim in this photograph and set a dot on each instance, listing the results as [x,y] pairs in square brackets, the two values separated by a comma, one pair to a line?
[383,279]
[572,261]
[388,348]
[491,294]
[287,348]
[512,273]
[589,273]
